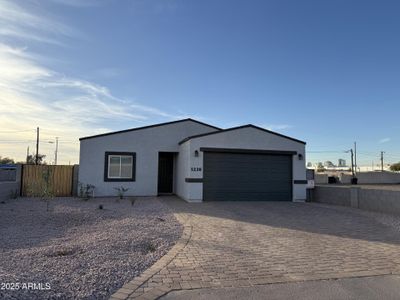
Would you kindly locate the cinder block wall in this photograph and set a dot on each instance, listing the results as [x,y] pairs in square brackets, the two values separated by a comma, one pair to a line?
[321,178]
[377,200]
[332,195]
[373,178]
[8,188]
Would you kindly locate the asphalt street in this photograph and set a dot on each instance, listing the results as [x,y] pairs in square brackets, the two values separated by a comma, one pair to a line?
[365,288]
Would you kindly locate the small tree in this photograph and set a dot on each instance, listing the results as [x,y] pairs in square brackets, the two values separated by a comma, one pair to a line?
[6,161]
[395,167]
[47,192]
[31,159]
[43,188]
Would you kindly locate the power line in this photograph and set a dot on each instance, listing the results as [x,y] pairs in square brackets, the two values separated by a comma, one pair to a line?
[16,131]
[325,151]
[41,141]
[20,141]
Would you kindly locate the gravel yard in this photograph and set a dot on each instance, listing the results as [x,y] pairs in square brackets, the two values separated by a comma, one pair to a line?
[80,250]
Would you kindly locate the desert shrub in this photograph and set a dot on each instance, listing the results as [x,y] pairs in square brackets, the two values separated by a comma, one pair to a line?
[85,190]
[121,191]
[150,247]
[14,194]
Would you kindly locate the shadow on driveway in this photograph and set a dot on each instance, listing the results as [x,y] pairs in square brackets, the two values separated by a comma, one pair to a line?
[305,217]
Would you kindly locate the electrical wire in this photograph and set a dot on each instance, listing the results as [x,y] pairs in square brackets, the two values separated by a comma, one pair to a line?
[16,131]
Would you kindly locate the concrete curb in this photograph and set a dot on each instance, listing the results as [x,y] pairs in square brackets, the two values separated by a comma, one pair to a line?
[129,288]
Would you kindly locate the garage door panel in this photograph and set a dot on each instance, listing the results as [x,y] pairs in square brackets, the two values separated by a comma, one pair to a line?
[250,197]
[247,177]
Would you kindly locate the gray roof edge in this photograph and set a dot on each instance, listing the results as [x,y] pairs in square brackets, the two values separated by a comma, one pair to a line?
[240,127]
[147,127]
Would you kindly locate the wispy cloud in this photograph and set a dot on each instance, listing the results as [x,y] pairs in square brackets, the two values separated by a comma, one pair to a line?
[275,127]
[384,140]
[17,22]
[33,95]
[80,3]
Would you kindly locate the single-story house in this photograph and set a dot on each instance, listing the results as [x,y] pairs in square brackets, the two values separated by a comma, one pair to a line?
[196,161]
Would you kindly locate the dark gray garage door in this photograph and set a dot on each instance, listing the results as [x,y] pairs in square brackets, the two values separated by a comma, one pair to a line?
[247,177]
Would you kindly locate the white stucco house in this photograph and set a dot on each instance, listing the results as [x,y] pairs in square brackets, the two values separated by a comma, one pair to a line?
[196,161]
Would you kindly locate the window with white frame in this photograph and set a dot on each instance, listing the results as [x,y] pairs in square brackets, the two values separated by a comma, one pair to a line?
[119,166]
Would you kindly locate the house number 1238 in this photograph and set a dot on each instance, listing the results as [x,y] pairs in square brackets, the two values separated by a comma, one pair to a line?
[195,169]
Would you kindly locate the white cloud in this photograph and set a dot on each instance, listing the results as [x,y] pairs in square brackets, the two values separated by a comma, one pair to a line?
[274,127]
[384,140]
[69,107]
[33,95]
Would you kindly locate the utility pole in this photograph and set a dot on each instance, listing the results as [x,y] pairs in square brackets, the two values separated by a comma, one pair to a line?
[56,152]
[355,157]
[382,160]
[37,146]
[27,155]
[352,162]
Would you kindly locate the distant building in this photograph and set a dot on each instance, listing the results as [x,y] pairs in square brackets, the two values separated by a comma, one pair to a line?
[341,163]
[329,164]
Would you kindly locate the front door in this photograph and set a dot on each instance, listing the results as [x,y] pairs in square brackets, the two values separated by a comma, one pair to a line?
[165,172]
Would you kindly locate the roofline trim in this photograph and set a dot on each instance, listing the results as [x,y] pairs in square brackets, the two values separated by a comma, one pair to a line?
[240,127]
[247,151]
[147,127]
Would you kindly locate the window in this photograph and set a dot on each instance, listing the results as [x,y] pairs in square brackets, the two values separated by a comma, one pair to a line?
[119,166]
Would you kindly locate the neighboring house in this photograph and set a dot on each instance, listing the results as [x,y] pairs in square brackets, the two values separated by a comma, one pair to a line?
[197,162]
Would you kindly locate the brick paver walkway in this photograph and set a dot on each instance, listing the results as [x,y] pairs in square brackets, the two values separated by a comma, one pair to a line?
[234,244]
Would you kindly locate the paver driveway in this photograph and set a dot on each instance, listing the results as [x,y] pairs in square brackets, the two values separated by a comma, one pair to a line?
[234,244]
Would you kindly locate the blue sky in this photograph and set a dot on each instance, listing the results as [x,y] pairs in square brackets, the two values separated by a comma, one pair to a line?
[326,72]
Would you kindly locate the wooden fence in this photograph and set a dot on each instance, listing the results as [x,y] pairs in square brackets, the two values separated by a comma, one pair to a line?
[57,180]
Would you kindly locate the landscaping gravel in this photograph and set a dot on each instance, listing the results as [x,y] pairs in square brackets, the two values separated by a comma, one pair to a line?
[81,251]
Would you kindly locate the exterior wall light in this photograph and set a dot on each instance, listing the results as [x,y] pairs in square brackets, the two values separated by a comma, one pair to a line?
[300,156]
[196,153]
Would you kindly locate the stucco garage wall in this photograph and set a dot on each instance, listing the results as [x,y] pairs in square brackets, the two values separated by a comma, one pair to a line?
[182,171]
[146,143]
[246,138]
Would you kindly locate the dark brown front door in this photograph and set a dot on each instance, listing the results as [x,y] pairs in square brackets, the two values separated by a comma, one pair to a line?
[165,172]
